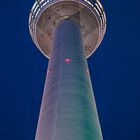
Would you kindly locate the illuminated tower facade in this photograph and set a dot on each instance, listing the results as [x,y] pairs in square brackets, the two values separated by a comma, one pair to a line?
[67,32]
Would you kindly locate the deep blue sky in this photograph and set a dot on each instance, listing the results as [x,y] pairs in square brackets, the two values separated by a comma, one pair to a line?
[115,72]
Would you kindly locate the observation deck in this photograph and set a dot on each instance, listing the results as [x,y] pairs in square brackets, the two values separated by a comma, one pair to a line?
[47,14]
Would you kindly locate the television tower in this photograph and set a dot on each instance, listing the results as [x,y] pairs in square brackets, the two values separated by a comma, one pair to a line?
[67,32]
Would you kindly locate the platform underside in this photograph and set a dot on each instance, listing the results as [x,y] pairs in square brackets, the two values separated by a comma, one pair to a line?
[55,13]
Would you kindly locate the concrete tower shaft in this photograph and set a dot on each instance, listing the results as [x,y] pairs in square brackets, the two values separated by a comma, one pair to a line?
[68,110]
[46,14]
[67,32]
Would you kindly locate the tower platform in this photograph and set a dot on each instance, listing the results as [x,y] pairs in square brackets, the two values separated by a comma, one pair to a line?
[46,14]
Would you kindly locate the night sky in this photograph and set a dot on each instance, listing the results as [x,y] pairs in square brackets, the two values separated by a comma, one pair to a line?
[114,67]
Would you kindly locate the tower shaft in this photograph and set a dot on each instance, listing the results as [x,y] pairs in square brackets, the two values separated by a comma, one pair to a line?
[68,110]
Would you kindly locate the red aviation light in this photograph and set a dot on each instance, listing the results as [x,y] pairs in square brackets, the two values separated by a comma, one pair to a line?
[48,71]
[67,60]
